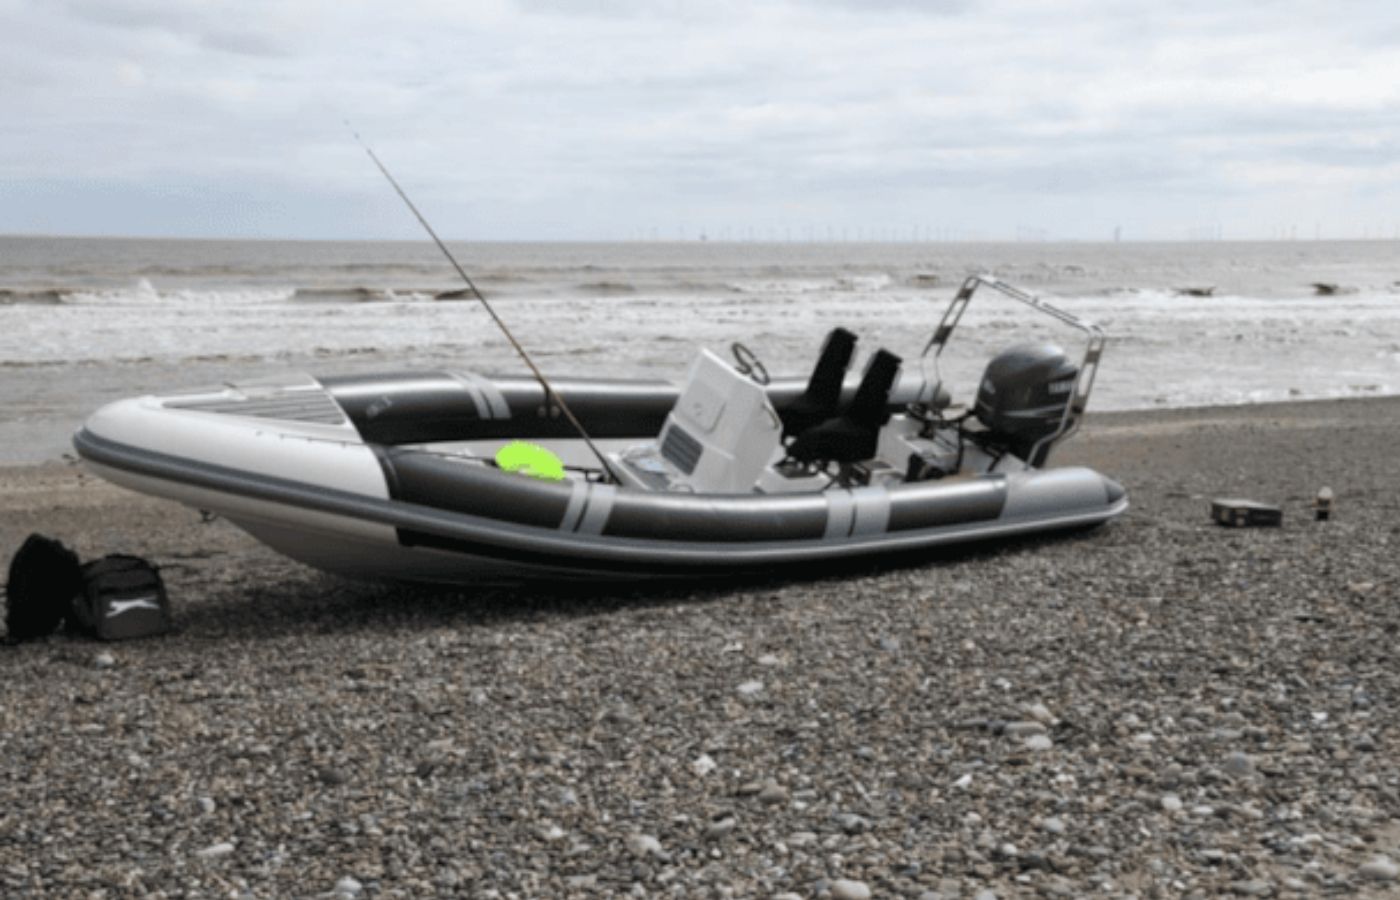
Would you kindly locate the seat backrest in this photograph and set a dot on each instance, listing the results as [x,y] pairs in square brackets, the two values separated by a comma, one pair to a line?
[870,406]
[824,387]
[822,397]
[722,431]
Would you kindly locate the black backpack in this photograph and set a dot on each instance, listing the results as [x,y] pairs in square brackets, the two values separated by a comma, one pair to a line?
[122,597]
[44,579]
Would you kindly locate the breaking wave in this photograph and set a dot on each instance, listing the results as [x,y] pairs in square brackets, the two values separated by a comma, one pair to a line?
[143,293]
[606,288]
[38,297]
[361,295]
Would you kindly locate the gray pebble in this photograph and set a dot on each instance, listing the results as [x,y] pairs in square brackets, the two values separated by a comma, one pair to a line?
[1382,868]
[332,777]
[1239,765]
[852,823]
[1034,860]
[643,845]
[846,889]
[772,793]
[215,851]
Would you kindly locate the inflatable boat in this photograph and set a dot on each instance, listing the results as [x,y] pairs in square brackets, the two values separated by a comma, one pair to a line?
[457,476]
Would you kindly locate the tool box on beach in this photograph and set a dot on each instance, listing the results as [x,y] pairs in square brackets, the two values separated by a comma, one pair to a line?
[1245,513]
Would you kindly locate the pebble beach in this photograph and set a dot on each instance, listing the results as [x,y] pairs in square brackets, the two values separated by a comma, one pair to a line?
[1157,708]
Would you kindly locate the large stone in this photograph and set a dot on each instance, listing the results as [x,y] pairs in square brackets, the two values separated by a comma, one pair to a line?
[772,793]
[719,827]
[1039,742]
[216,851]
[846,889]
[750,688]
[1239,765]
[851,823]
[643,845]
[1382,868]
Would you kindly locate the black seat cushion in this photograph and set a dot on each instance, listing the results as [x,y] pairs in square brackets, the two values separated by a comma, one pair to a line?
[854,435]
[822,398]
[835,440]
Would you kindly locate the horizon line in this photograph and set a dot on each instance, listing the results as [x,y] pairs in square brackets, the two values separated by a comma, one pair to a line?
[677,241]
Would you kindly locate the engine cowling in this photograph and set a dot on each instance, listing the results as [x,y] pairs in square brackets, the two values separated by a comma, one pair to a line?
[1023,395]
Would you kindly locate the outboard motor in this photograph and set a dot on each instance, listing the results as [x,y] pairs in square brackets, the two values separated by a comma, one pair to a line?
[1023,396]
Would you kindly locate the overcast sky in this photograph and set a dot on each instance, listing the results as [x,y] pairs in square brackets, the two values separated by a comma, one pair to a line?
[614,119]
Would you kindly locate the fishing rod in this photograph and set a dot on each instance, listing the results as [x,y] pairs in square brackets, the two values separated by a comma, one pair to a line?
[551,396]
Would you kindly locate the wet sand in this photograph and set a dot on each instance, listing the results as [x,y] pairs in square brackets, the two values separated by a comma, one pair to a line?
[1160,707]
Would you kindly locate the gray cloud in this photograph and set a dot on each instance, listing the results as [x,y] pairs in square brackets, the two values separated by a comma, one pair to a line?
[802,114]
[239,28]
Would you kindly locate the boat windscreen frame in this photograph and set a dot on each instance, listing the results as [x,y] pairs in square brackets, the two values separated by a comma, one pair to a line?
[1088,369]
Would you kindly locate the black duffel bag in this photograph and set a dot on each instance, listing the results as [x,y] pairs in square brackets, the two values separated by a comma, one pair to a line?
[122,597]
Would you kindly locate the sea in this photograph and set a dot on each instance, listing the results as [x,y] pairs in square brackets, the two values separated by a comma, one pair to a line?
[84,321]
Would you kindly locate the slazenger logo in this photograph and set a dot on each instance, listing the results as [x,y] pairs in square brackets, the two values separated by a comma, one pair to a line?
[117,607]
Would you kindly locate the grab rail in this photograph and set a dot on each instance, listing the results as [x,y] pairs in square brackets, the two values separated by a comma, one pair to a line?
[1088,369]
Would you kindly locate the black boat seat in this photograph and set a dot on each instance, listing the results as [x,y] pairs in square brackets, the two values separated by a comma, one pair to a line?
[854,435]
[822,398]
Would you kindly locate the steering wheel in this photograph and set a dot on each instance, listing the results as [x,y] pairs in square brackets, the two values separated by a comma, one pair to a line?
[746,362]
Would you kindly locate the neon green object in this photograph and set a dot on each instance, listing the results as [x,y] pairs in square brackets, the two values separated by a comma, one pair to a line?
[530,459]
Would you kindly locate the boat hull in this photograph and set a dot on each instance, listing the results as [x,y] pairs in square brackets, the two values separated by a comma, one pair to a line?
[289,463]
